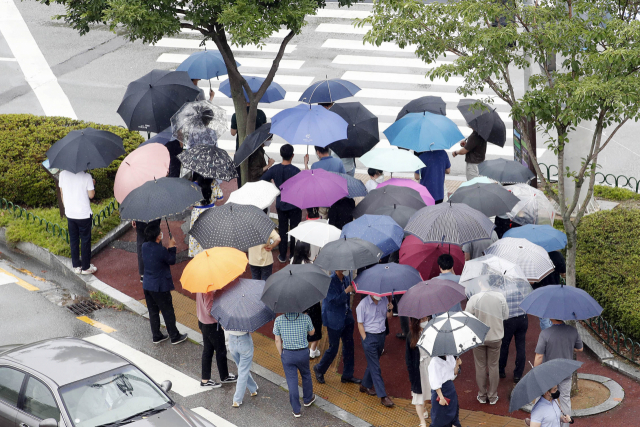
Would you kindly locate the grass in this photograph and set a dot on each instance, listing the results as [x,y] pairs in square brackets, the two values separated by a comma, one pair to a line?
[105,300]
[21,230]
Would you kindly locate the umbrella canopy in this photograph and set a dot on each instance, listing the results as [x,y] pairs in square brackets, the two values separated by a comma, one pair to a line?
[452,334]
[85,149]
[514,288]
[424,257]
[159,138]
[151,101]
[430,297]
[309,125]
[490,199]
[392,160]
[209,161]
[213,269]
[454,223]
[260,194]
[388,196]
[355,187]
[386,279]
[382,231]
[424,132]
[204,65]
[533,207]
[478,180]
[544,236]
[252,142]
[317,232]
[238,307]
[199,122]
[541,379]
[347,254]
[362,130]
[159,198]
[486,121]
[233,226]
[142,165]
[430,104]
[295,288]
[531,258]
[274,92]
[505,171]
[489,264]
[562,303]
[327,91]
[409,183]
[313,188]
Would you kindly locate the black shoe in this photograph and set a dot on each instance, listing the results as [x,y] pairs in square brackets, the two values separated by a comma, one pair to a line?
[311,401]
[164,338]
[211,384]
[351,380]
[401,336]
[516,380]
[319,376]
[503,375]
[230,379]
[141,277]
[181,338]
[282,260]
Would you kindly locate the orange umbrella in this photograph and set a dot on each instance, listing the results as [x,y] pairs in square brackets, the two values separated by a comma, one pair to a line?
[213,269]
[141,165]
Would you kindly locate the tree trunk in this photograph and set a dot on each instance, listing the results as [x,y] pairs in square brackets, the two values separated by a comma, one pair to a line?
[572,243]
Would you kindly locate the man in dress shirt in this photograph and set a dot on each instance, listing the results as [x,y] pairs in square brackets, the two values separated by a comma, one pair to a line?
[325,161]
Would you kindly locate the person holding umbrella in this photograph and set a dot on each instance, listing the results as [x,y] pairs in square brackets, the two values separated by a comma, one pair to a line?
[546,412]
[325,161]
[201,96]
[301,256]
[474,149]
[261,119]
[417,361]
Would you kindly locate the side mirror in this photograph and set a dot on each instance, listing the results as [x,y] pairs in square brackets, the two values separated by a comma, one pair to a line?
[49,422]
[165,386]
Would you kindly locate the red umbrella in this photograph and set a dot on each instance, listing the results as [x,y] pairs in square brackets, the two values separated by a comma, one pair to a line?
[424,256]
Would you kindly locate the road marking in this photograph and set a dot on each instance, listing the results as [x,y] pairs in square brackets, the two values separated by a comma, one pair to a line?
[283,79]
[409,95]
[18,281]
[5,279]
[280,34]
[104,328]
[342,28]
[340,13]
[385,61]
[181,383]
[360,45]
[34,66]
[9,59]
[216,420]
[195,44]
[420,79]
[245,62]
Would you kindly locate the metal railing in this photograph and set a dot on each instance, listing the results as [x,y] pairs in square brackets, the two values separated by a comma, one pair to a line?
[617,341]
[609,179]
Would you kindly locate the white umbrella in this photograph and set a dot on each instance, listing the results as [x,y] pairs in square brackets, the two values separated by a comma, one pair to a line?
[531,258]
[392,160]
[260,194]
[317,232]
[533,207]
[490,264]
[452,334]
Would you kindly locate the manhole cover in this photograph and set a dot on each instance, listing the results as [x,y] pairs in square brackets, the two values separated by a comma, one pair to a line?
[83,308]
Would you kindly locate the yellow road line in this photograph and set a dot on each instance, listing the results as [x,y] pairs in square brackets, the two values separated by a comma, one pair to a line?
[20,282]
[104,328]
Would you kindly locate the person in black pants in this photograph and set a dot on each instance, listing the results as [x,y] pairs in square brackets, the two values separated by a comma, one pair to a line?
[140,239]
[514,327]
[175,147]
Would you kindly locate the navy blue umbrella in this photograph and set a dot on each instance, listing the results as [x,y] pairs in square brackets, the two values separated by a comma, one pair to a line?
[546,236]
[274,92]
[387,279]
[355,187]
[380,230]
[159,138]
[204,65]
[561,302]
[237,307]
[328,91]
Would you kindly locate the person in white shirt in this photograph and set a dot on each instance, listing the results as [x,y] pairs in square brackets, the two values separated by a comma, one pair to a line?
[77,189]
[444,399]
[377,176]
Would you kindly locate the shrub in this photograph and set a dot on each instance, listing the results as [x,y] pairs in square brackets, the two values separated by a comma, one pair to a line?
[614,193]
[24,140]
[608,265]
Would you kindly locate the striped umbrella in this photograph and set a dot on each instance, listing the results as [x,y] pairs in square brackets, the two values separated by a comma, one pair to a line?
[237,307]
[452,334]
[355,187]
[531,258]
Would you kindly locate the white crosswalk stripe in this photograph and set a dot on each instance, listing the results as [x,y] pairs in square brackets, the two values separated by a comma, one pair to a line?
[195,44]
[285,64]
[214,419]
[374,76]
[359,45]
[280,34]
[342,28]
[408,95]
[340,13]
[384,61]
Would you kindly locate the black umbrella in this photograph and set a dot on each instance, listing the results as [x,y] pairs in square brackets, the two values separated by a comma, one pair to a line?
[252,142]
[388,195]
[295,288]
[347,254]
[85,149]
[362,132]
[486,121]
[160,138]
[431,104]
[505,171]
[398,213]
[150,101]
[209,161]
[490,199]
[233,226]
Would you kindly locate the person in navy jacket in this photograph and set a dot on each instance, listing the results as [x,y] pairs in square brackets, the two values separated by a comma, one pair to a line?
[158,284]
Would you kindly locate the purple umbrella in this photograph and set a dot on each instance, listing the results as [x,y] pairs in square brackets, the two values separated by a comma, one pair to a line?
[314,188]
[430,297]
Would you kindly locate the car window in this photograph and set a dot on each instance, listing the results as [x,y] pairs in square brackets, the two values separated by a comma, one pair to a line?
[39,402]
[10,384]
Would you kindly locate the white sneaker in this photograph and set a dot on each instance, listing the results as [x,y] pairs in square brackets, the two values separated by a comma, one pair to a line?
[312,354]
[77,270]
[317,353]
[92,269]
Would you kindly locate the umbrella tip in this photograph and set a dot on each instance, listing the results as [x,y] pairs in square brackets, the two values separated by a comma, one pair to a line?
[290,273]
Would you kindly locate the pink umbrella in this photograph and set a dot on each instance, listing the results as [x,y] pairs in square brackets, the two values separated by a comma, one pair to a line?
[401,182]
[141,165]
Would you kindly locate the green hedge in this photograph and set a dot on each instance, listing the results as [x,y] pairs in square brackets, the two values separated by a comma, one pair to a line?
[608,265]
[614,193]
[24,140]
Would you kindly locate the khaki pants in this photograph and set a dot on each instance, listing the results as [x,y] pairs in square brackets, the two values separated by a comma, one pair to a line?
[487,356]
[472,171]
[565,398]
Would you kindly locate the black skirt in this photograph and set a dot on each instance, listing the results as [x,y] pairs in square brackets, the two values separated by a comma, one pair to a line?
[315,312]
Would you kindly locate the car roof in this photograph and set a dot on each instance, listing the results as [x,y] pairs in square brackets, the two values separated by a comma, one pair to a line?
[65,360]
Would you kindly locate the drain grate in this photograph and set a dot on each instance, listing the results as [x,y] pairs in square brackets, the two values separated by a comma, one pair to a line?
[83,308]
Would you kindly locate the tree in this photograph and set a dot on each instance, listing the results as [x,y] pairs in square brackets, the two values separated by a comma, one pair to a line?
[226,23]
[598,81]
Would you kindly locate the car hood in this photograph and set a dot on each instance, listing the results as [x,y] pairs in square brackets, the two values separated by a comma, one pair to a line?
[176,416]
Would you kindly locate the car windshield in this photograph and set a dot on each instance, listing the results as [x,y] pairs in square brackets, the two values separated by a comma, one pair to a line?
[112,397]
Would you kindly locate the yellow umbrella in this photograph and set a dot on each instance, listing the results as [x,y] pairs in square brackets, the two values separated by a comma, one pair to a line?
[213,269]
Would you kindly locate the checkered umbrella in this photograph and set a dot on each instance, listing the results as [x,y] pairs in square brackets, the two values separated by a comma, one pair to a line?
[237,307]
[531,258]
[295,288]
[355,187]
[452,334]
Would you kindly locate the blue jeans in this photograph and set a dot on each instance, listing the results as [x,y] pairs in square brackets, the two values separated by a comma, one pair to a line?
[373,346]
[241,349]
[261,273]
[292,362]
[335,335]
[545,323]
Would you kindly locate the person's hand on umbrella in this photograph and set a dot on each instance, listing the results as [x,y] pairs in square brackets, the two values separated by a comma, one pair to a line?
[270,163]
[172,243]
[565,419]
[349,289]
[306,161]
[211,94]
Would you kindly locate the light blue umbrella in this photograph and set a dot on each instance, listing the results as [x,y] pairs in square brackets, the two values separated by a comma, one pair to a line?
[424,132]
[274,92]
[307,124]
[542,235]
[204,65]
[380,230]
[561,302]
[478,180]
[392,160]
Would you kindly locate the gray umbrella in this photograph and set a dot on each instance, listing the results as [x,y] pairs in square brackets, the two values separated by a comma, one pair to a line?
[347,254]
[295,288]
[432,104]
[233,226]
[541,379]
[400,214]
[505,171]
[388,195]
[490,199]
[355,187]
[237,307]
[485,121]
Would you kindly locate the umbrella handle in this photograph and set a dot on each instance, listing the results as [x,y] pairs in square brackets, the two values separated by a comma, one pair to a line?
[169,229]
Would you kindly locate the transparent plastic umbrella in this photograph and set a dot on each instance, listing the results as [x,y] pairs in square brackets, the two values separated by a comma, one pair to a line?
[199,122]
[533,208]
[512,287]
[488,264]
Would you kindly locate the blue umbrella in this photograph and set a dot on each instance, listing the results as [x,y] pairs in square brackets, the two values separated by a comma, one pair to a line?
[309,125]
[328,91]
[387,279]
[542,235]
[237,307]
[355,187]
[204,65]
[160,138]
[561,302]
[424,132]
[380,230]
[274,92]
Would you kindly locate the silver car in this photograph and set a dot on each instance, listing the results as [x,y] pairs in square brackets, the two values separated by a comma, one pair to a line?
[69,382]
